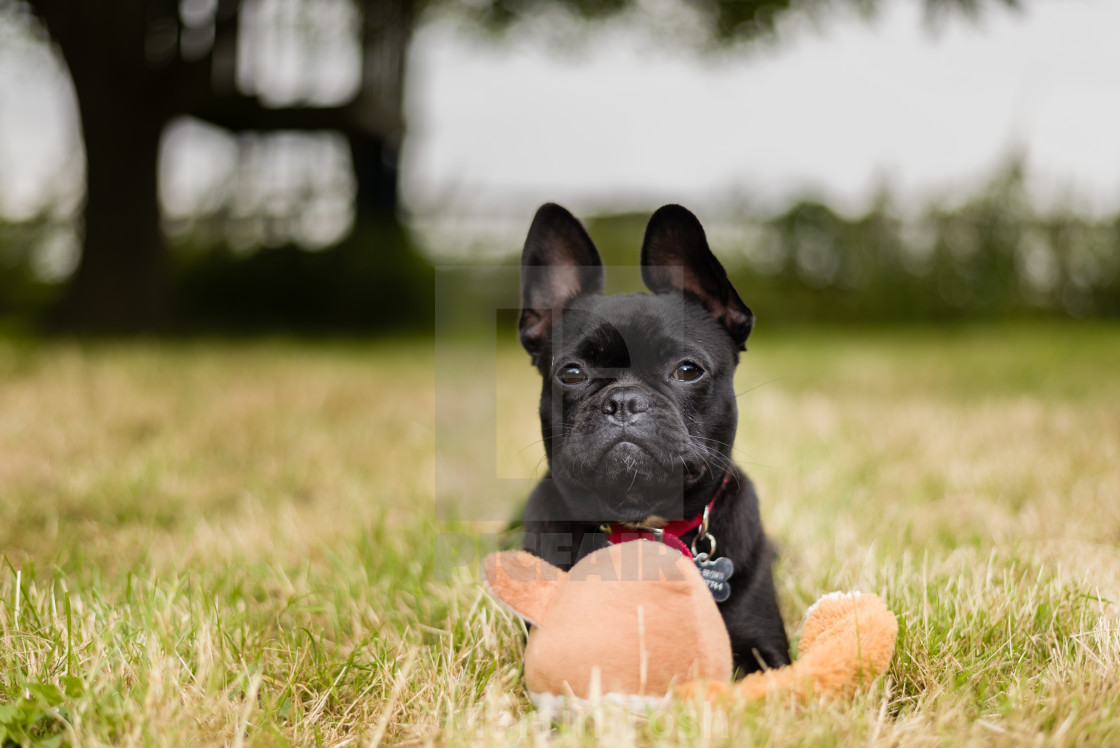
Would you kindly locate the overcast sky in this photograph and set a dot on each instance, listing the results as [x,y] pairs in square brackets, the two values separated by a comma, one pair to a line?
[837,110]
[497,129]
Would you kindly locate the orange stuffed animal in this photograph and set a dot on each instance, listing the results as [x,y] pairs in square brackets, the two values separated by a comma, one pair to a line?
[633,621]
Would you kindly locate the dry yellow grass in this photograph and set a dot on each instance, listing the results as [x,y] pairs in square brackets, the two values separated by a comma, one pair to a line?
[238,543]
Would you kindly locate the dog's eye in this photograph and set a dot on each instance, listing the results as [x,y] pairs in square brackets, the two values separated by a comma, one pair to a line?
[572,374]
[687,372]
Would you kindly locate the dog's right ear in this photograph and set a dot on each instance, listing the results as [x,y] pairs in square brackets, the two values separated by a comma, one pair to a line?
[558,264]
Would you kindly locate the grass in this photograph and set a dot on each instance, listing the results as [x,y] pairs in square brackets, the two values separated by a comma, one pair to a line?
[239,542]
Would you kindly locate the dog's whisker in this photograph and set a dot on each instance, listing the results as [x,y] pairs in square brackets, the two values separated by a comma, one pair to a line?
[737,457]
[708,456]
[713,441]
[760,384]
[530,445]
[703,459]
[537,467]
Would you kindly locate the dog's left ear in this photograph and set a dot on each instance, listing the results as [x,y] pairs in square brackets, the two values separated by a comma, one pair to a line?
[676,257]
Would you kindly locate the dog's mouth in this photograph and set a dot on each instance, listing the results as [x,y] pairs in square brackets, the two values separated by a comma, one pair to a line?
[631,455]
[636,468]
[627,451]
[629,458]
[633,474]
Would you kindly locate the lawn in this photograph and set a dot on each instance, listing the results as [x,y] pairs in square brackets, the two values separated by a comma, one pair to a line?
[238,542]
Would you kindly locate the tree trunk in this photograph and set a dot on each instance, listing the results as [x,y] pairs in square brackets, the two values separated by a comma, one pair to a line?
[130,79]
[116,64]
[375,175]
[121,283]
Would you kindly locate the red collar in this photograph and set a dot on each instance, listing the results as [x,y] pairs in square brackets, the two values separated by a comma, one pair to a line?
[671,533]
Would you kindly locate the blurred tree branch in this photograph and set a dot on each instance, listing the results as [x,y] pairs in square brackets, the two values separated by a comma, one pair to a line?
[723,22]
[131,78]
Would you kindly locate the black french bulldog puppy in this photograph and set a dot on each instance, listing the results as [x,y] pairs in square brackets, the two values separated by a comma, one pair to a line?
[638,409]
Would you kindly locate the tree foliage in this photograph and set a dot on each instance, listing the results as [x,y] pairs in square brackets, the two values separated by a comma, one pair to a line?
[723,22]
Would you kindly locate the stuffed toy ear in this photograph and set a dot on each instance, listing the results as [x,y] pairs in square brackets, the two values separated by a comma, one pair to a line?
[522,581]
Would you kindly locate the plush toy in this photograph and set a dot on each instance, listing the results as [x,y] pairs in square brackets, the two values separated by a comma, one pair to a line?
[847,640]
[633,621]
[625,623]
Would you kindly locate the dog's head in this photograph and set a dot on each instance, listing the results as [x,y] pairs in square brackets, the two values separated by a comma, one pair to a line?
[638,408]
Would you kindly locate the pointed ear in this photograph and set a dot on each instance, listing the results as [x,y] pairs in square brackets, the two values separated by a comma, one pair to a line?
[558,264]
[522,581]
[676,257]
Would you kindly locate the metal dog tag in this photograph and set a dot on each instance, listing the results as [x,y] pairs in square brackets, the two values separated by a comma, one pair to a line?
[716,572]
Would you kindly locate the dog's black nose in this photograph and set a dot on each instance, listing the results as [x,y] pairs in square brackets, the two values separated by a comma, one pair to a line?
[624,403]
